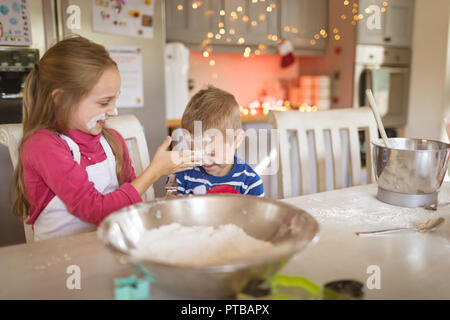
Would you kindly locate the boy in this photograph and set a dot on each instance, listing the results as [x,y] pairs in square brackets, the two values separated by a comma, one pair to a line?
[218,113]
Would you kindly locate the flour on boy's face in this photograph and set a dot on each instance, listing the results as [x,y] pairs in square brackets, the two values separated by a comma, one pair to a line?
[217,152]
[99,104]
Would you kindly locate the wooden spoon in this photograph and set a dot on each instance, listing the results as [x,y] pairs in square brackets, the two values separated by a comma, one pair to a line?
[373,106]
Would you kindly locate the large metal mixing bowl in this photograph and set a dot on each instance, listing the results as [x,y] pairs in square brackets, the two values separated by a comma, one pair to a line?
[289,228]
[411,172]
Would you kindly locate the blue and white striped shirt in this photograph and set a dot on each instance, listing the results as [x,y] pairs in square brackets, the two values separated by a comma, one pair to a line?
[242,179]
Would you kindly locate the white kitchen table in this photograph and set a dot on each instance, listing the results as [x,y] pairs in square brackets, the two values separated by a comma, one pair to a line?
[412,265]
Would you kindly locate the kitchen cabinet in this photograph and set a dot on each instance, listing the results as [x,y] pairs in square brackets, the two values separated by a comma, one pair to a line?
[296,20]
[260,23]
[188,24]
[301,20]
[396,23]
[192,25]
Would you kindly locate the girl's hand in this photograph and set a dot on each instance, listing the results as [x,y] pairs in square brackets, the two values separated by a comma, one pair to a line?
[447,126]
[167,162]
[164,163]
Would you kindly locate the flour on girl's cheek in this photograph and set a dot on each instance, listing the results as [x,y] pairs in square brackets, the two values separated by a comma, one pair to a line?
[93,122]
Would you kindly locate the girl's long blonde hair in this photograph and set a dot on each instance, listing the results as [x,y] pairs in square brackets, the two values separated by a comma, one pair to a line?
[73,66]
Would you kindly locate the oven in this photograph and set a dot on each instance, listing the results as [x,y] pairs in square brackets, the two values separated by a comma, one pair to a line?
[15,64]
[385,71]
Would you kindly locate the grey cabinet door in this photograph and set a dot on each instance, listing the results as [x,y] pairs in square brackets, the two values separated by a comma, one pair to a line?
[396,23]
[242,19]
[368,31]
[254,24]
[301,20]
[188,24]
[399,22]
[261,22]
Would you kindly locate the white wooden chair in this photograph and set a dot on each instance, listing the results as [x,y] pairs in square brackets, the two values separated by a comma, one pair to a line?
[10,136]
[132,131]
[331,122]
[127,125]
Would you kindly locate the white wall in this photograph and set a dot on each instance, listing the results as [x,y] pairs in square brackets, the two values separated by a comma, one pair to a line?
[429,101]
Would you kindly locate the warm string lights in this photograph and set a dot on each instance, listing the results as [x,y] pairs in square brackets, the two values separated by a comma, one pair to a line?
[360,16]
[356,17]
[231,35]
[259,108]
[240,13]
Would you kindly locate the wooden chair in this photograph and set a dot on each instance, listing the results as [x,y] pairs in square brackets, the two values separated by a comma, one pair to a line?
[127,125]
[331,122]
[10,136]
[132,131]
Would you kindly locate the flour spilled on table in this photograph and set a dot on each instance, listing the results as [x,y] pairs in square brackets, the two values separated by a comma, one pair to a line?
[199,245]
[359,207]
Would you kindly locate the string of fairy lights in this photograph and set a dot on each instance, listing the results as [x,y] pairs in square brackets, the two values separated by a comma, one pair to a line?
[239,13]
[232,35]
[229,33]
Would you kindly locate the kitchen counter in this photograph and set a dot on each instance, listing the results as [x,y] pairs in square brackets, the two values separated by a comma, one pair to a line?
[176,123]
[412,265]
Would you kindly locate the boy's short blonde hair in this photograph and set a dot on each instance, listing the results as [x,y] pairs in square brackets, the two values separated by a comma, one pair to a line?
[215,108]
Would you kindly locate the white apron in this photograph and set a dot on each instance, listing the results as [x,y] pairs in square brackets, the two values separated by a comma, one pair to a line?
[55,221]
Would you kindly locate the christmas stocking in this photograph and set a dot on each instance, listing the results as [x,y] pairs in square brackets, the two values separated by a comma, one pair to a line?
[286,50]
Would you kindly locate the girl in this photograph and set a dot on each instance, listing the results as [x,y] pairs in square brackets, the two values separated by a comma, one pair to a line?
[73,171]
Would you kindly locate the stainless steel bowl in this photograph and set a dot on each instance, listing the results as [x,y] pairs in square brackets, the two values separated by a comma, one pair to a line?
[289,228]
[412,170]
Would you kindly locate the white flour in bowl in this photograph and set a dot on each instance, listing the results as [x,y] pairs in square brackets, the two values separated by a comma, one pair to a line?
[199,245]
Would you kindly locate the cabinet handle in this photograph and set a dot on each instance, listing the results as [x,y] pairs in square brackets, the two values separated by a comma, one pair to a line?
[387,39]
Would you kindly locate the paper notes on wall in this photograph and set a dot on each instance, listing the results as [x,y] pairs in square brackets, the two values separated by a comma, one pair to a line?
[124,17]
[129,62]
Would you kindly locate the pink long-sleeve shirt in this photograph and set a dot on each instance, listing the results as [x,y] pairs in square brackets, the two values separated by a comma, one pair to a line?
[49,169]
